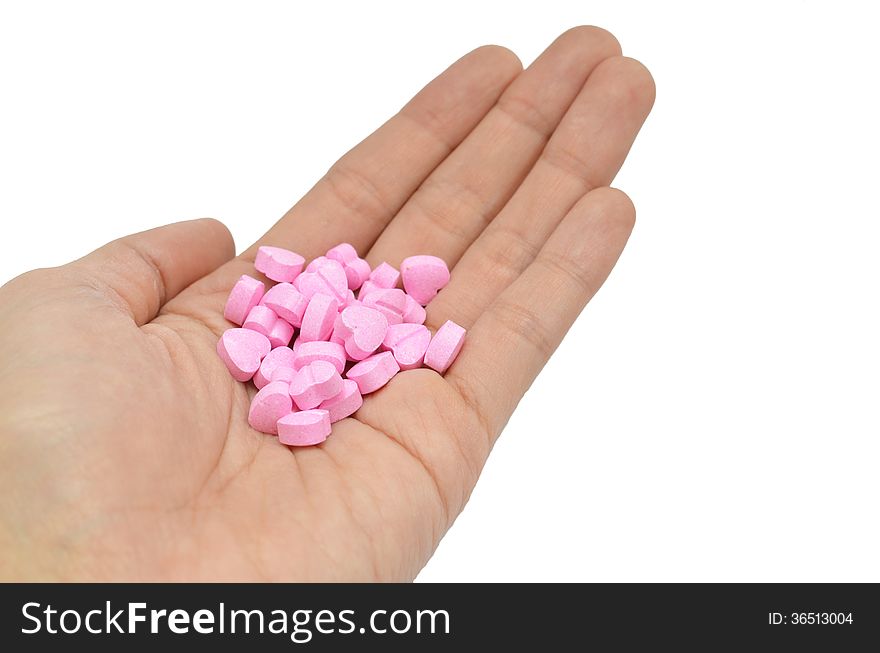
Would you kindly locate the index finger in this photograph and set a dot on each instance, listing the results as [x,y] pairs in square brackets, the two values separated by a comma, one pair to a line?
[362,192]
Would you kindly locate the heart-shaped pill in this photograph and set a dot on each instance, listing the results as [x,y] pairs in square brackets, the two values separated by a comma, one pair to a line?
[279,357]
[242,350]
[345,403]
[414,312]
[319,350]
[357,271]
[385,276]
[269,405]
[374,372]
[328,279]
[317,263]
[260,319]
[408,343]
[423,276]
[288,303]
[285,374]
[314,383]
[367,288]
[245,294]
[361,329]
[278,264]
[391,302]
[445,346]
[304,428]
[343,252]
[280,333]
[338,339]
[317,322]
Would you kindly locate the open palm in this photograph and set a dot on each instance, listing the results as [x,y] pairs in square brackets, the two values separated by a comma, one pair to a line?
[125,451]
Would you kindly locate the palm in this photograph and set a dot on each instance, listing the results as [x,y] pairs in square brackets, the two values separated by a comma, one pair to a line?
[499,172]
[369,503]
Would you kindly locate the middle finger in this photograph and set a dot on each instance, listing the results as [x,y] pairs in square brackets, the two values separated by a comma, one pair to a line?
[455,203]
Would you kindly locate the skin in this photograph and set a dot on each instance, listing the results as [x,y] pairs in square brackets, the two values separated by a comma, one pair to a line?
[125,452]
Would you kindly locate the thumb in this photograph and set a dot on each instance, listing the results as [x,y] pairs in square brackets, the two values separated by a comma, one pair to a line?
[141,272]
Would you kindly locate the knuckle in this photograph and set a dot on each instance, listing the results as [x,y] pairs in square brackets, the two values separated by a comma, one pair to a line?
[123,273]
[573,165]
[433,123]
[524,324]
[449,206]
[356,192]
[136,264]
[567,268]
[507,253]
[526,113]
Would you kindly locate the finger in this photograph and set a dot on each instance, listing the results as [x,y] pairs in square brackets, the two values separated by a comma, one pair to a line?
[585,152]
[509,344]
[141,272]
[455,203]
[358,196]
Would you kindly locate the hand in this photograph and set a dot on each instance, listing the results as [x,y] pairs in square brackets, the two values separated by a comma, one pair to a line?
[125,452]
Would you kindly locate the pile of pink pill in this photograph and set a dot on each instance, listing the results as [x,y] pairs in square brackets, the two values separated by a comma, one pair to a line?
[346,347]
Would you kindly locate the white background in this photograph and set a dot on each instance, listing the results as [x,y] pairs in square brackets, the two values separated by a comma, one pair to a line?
[713,415]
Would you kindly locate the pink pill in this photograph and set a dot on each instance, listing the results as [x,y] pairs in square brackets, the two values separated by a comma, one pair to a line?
[314,383]
[304,428]
[335,337]
[343,252]
[278,358]
[385,276]
[345,403]
[357,272]
[306,284]
[245,294]
[288,303]
[423,276]
[278,264]
[285,374]
[329,279]
[349,300]
[408,343]
[318,350]
[317,322]
[445,346]
[391,302]
[374,372]
[317,263]
[414,313]
[362,329]
[269,405]
[261,319]
[280,333]
[242,350]
[367,288]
